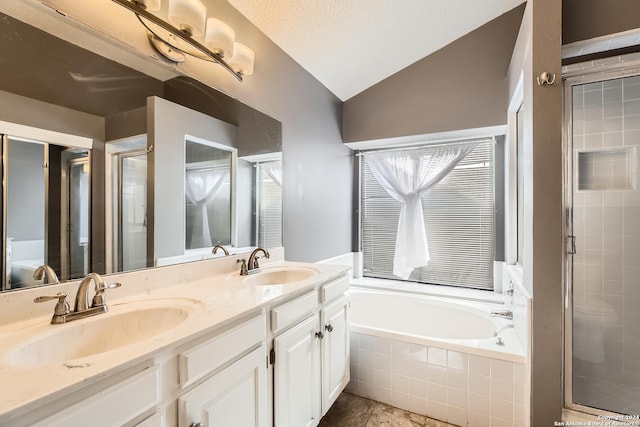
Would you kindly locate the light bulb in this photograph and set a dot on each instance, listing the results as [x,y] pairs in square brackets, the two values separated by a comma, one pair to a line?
[188,16]
[242,60]
[219,37]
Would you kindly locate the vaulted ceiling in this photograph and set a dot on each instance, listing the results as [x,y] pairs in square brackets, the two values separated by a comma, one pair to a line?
[350,45]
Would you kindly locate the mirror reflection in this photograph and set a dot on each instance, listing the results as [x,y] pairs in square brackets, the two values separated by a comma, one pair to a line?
[208,196]
[103,205]
[47,205]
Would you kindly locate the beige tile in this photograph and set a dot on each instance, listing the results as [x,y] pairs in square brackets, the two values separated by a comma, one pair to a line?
[436,423]
[385,415]
[348,411]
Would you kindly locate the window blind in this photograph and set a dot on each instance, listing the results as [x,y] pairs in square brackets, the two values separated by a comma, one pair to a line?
[269,209]
[459,220]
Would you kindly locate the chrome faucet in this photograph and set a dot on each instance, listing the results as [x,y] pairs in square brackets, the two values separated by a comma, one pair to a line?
[252,266]
[62,312]
[216,247]
[507,314]
[47,273]
[253,259]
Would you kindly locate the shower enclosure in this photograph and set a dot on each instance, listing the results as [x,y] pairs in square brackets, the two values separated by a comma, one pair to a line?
[602,194]
[130,207]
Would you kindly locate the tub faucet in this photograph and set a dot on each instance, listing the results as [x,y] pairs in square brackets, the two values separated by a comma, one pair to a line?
[222,248]
[47,273]
[507,314]
[499,330]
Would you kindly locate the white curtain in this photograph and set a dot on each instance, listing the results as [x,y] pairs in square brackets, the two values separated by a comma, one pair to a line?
[201,187]
[274,170]
[407,177]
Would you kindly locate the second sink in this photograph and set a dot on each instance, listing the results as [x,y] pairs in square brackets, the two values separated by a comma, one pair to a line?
[280,276]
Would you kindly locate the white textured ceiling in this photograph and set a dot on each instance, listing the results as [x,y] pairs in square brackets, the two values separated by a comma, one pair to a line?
[350,45]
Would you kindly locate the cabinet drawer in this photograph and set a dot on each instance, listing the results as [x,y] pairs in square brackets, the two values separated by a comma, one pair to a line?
[198,361]
[334,290]
[285,314]
[114,406]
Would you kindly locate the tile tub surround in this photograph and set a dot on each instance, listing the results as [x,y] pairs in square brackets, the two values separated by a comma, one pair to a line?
[451,386]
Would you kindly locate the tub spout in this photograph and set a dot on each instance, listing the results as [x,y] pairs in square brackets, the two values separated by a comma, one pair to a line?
[507,314]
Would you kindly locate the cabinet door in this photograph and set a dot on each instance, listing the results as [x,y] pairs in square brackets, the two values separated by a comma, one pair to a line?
[335,351]
[236,396]
[297,375]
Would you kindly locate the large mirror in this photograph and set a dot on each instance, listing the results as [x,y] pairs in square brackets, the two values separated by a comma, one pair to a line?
[121,171]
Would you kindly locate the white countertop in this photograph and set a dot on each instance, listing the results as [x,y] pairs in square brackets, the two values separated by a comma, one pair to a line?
[214,301]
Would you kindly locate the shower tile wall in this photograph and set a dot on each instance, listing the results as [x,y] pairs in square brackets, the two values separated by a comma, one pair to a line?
[606,220]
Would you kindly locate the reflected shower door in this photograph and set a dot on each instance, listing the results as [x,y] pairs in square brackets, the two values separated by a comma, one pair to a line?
[605,270]
[79,217]
[25,185]
[132,211]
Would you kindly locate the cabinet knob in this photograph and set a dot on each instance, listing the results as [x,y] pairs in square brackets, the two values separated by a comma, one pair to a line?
[319,335]
[196,425]
[328,328]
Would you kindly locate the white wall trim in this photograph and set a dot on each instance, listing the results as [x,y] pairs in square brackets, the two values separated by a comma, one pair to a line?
[44,135]
[353,260]
[402,141]
[601,44]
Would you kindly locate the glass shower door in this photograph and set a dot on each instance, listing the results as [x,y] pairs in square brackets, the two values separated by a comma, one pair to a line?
[79,217]
[132,211]
[604,220]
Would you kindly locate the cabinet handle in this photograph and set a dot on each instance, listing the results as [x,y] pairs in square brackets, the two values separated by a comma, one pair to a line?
[319,335]
[196,425]
[328,328]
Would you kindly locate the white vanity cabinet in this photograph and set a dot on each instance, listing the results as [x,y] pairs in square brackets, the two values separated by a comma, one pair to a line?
[116,405]
[335,351]
[279,364]
[311,366]
[237,394]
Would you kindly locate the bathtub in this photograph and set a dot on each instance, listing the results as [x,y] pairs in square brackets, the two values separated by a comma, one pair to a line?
[437,357]
[427,320]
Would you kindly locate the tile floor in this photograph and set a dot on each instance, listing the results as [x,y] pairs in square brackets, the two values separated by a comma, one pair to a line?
[355,411]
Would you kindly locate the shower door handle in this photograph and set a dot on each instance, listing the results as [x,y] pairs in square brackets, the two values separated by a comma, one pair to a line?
[571,245]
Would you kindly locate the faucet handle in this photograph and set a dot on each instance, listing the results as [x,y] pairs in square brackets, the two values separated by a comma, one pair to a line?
[62,307]
[243,267]
[98,298]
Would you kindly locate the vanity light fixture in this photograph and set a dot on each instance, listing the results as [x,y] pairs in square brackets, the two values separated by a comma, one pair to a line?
[187,24]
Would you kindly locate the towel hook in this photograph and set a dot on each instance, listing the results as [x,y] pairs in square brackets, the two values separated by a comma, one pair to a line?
[546,78]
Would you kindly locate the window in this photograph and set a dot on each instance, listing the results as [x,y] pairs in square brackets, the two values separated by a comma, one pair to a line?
[458,214]
[207,196]
[269,194]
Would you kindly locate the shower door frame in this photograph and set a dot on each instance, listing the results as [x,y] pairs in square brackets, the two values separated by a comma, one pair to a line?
[120,157]
[570,79]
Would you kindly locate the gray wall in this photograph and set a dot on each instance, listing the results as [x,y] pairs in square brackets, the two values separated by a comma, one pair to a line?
[169,125]
[460,86]
[586,19]
[538,49]
[126,124]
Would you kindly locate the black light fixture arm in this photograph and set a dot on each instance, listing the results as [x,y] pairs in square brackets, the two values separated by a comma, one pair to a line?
[203,52]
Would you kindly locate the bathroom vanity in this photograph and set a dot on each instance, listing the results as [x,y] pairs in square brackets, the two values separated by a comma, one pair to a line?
[188,345]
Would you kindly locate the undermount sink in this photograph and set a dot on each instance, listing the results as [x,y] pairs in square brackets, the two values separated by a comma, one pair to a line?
[95,335]
[280,276]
